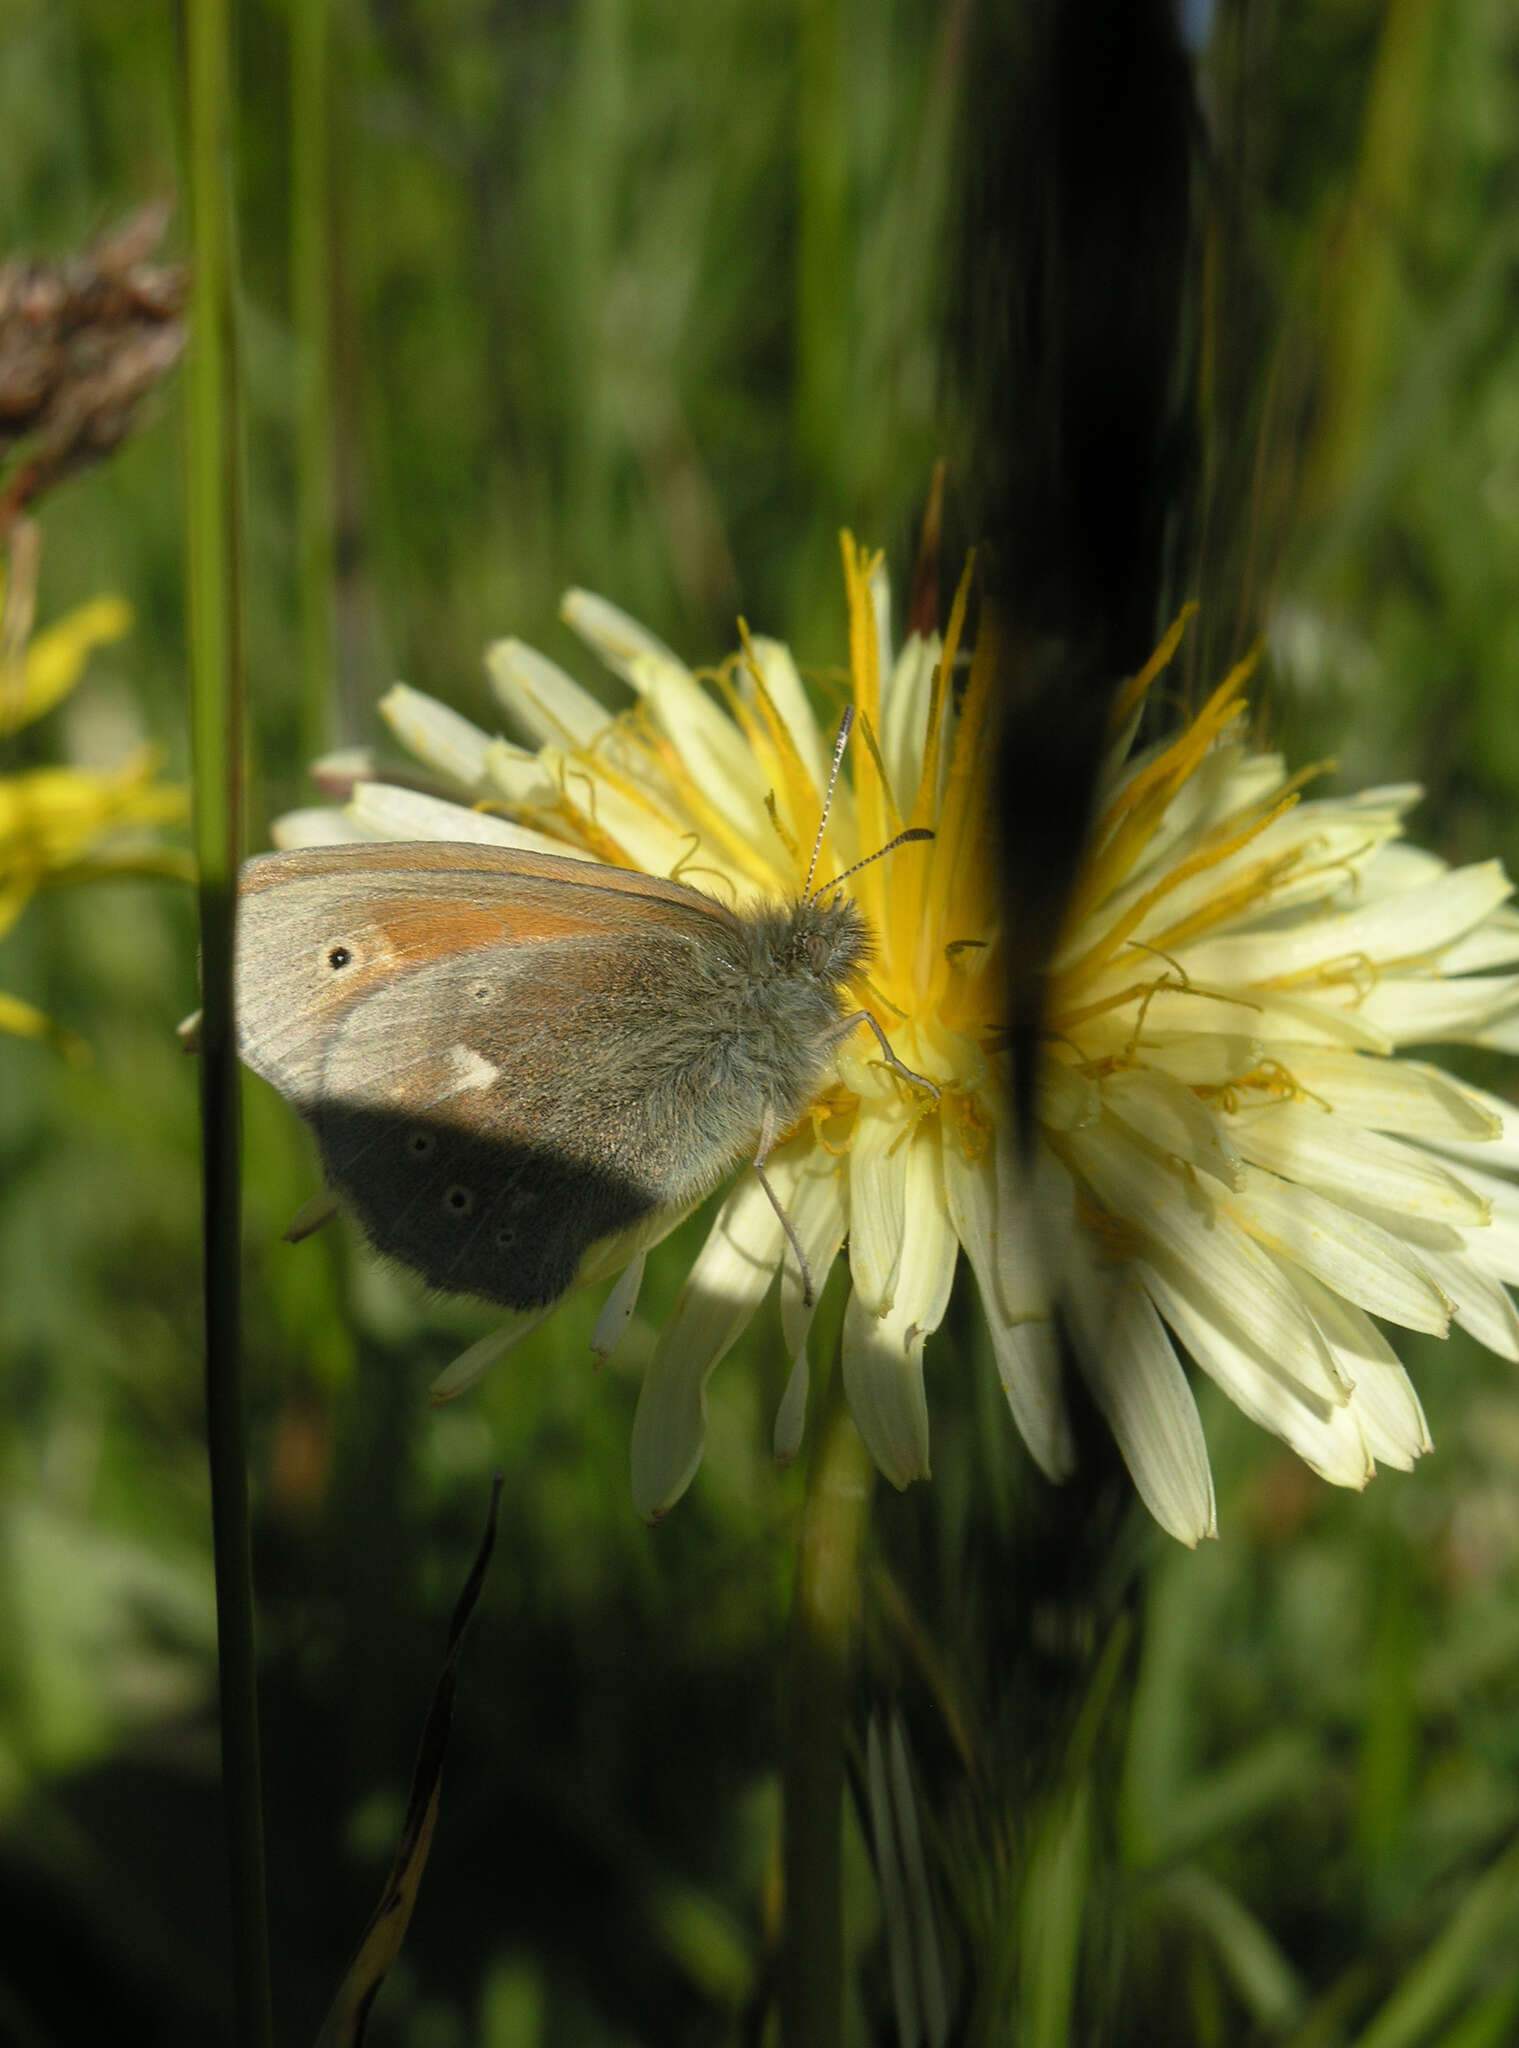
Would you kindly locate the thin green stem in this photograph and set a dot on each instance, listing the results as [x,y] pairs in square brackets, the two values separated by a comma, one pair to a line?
[823,1621]
[311,307]
[823,274]
[213,563]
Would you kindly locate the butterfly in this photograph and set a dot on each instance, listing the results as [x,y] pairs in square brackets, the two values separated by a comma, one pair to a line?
[507,1056]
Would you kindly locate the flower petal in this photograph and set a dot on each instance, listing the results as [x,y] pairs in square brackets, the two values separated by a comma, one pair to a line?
[1354,1256]
[1023,1342]
[791,1415]
[883,1363]
[437,735]
[1493,943]
[1482,1305]
[1405,1096]
[1029,1367]
[613,634]
[816,1208]
[783,685]
[1385,1404]
[382,811]
[1414,1011]
[1131,1366]
[1328,1440]
[471,1366]
[641,827]
[904,717]
[55,657]
[727,1283]
[717,758]
[877,1200]
[1499,1146]
[930,1246]
[883,1382]
[1175,1121]
[519,777]
[1308,1144]
[1203,1059]
[617,1309]
[1035,1211]
[318,826]
[1243,1288]
[1406,926]
[549,706]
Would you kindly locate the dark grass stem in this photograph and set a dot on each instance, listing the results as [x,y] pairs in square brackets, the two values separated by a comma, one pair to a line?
[311,301]
[824,1620]
[213,567]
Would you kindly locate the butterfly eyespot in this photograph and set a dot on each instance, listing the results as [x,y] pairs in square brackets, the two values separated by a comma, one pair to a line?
[420,1144]
[481,992]
[505,1238]
[459,1201]
[338,957]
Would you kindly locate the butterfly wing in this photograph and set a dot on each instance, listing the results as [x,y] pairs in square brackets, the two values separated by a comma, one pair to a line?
[490,1119]
[321,928]
[467,1029]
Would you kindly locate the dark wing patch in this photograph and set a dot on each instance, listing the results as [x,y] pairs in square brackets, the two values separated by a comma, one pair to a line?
[490,1119]
[490,1216]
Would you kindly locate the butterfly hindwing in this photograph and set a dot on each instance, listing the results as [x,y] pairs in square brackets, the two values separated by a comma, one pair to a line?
[484,1120]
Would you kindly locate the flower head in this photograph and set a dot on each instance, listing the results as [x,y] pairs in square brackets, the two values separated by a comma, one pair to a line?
[60,824]
[1229,1154]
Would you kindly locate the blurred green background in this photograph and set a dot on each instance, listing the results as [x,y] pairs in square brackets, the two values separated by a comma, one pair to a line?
[643,296]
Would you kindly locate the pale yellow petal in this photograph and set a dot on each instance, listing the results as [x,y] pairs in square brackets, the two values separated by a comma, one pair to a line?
[1413,1010]
[437,735]
[904,717]
[1245,1290]
[783,685]
[732,1273]
[617,1309]
[549,706]
[1303,1142]
[1349,1253]
[318,826]
[1327,1439]
[877,1201]
[930,1245]
[471,1366]
[883,1383]
[1170,1117]
[816,1207]
[1401,1096]
[1481,1303]
[1028,1363]
[1385,1404]
[1407,926]
[380,810]
[1023,1343]
[519,777]
[1130,1364]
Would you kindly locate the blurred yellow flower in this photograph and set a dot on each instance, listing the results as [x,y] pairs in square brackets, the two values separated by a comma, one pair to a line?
[61,824]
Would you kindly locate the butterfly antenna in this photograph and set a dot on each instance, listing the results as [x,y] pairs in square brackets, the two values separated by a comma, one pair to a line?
[902,839]
[846,726]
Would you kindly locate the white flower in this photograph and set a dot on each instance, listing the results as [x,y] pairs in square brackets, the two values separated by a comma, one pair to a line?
[1229,1151]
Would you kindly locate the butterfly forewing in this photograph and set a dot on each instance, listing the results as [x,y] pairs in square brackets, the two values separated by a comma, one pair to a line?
[320,929]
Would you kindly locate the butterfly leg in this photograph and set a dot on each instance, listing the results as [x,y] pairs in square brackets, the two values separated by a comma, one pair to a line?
[766,1140]
[858,1017]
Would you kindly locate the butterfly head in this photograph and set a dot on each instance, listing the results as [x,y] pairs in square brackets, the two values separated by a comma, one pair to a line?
[827,939]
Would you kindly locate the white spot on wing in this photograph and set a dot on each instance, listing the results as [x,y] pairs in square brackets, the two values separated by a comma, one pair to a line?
[470,1071]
